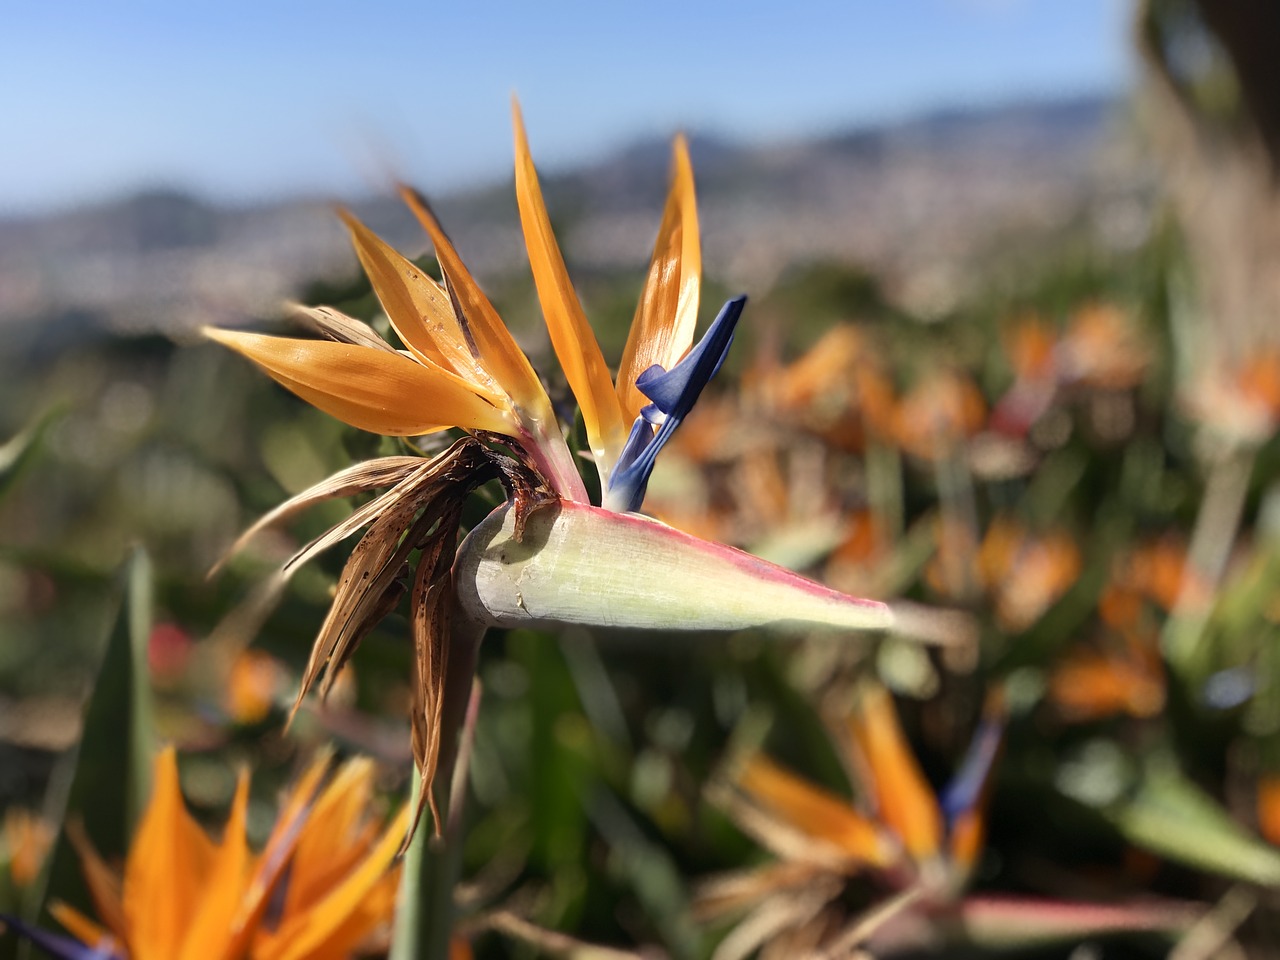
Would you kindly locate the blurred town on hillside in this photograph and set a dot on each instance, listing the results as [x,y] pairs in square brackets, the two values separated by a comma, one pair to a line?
[918,204]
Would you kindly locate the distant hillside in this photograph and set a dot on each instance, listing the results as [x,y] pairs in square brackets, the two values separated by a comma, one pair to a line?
[913,201]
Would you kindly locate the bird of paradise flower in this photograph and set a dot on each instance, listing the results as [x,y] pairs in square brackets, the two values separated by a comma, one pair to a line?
[323,885]
[548,554]
[917,849]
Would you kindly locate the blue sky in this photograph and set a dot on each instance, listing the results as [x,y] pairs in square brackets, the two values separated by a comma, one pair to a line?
[243,101]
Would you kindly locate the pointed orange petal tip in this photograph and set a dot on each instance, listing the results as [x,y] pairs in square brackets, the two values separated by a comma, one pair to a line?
[498,351]
[571,336]
[420,310]
[81,927]
[581,564]
[813,811]
[667,313]
[904,799]
[374,390]
[1268,807]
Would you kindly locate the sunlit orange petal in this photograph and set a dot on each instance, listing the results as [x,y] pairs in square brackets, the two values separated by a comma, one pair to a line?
[299,937]
[333,838]
[904,801]
[1029,344]
[370,389]
[968,833]
[277,854]
[1090,685]
[419,309]
[27,838]
[103,884]
[667,313]
[814,811]
[222,891]
[363,923]
[571,335]
[498,350]
[1268,804]
[251,687]
[166,870]
[77,924]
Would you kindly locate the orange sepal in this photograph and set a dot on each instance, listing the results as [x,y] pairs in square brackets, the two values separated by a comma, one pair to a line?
[334,838]
[1090,685]
[814,812]
[904,800]
[968,834]
[277,854]
[223,889]
[102,883]
[167,869]
[419,309]
[667,313]
[369,389]
[1269,807]
[78,925]
[571,335]
[498,350]
[299,937]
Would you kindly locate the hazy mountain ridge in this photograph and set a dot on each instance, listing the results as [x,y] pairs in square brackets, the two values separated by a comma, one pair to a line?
[910,200]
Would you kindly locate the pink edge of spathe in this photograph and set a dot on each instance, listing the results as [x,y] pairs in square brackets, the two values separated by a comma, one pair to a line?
[494,589]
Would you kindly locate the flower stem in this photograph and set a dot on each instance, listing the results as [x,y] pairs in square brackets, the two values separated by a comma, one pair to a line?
[1214,535]
[425,911]
[554,461]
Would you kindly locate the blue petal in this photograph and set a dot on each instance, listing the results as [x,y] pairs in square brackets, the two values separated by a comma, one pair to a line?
[673,392]
[965,789]
[57,945]
[1228,689]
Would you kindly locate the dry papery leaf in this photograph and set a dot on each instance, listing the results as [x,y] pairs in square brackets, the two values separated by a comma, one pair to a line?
[358,478]
[423,509]
[734,892]
[336,325]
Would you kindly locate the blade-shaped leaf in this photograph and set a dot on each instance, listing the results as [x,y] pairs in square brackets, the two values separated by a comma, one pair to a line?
[106,779]
[19,451]
[1171,816]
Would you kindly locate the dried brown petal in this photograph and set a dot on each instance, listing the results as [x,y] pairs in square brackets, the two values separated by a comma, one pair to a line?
[336,325]
[430,620]
[359,478]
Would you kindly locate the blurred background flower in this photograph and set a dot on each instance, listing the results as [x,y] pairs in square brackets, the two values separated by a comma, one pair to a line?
[1009,366]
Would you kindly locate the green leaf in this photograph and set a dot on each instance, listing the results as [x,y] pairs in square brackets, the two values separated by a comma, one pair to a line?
[17,453]
[649,870]
[432,866]
[424,901]
[105,781]
[1169,815]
